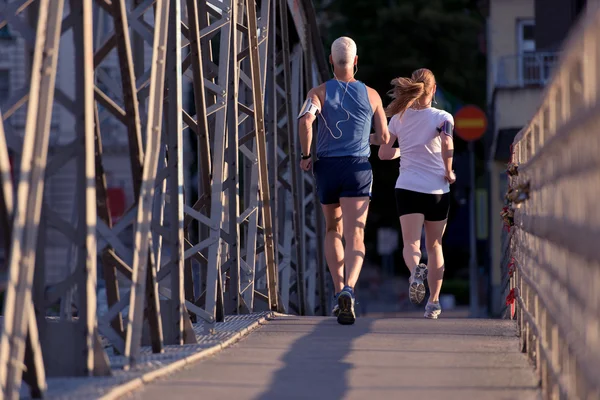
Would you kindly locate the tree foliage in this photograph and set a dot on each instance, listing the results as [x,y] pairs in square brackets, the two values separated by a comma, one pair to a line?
[395,37]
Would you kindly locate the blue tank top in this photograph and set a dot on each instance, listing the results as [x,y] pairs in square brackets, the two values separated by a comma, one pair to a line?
[348,133]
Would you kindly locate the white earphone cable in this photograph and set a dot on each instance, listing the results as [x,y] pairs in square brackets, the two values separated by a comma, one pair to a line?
[341,105]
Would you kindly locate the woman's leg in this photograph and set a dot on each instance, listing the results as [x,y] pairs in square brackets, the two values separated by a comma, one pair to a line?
[412,226]
[434,230]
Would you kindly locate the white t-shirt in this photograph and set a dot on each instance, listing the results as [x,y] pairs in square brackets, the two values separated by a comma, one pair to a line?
[421,163]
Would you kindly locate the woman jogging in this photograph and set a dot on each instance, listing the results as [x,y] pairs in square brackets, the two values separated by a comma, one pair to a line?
[424,137]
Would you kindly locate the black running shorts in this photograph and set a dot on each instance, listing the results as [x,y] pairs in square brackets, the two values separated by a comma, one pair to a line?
[434,207]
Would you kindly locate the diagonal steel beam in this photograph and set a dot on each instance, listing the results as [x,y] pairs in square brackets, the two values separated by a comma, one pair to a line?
[86,221]
[144,215]
[175,239]
[129,92]
[291,140]
[18,300]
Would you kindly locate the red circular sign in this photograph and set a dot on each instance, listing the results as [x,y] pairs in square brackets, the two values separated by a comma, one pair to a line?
[470,123]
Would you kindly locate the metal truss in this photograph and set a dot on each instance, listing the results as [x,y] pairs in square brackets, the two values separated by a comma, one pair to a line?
[248,227]
[302,265]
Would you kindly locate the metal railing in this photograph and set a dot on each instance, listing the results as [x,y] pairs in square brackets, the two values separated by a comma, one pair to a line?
[527,69]
[554,222]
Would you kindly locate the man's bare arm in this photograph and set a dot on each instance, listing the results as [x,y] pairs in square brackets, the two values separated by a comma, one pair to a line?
[382,135]
[307,120]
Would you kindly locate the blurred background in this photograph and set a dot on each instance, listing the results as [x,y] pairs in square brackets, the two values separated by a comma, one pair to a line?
[494,54]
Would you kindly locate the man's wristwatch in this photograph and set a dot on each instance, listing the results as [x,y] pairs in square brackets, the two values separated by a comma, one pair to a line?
[305,157]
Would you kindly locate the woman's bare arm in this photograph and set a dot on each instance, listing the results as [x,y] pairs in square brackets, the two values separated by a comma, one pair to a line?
[387,152]
[446,132]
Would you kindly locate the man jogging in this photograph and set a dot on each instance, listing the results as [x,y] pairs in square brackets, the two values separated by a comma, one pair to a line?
[345,109]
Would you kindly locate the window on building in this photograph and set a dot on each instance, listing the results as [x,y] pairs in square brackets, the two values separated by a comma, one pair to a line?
[530,65]
[4,85]
[526,35]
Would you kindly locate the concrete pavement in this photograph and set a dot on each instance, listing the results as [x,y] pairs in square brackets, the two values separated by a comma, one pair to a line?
[377,358]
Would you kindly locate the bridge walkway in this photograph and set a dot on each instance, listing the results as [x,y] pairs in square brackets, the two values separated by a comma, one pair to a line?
[295,357]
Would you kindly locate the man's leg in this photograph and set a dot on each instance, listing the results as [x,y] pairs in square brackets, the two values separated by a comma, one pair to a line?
[354,211]
[328,191]
[334,249]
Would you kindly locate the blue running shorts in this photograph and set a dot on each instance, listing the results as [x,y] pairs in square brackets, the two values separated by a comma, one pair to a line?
[338,177]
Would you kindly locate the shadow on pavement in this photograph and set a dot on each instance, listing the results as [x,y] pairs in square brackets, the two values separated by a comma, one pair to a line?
[315,366]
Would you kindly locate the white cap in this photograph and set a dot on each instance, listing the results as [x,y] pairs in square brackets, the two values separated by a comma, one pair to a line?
[343,51]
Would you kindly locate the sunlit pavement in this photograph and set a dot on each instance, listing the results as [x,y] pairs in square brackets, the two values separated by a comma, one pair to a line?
[377,358]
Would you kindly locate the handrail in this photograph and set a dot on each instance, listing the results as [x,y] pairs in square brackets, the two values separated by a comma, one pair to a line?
[554,223]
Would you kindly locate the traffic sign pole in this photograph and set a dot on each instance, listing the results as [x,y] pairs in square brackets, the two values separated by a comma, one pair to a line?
[471,123]
[473,267]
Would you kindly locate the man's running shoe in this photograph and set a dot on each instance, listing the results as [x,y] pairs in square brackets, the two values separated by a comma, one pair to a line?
[346,315]
[336,308]
[416,290]
[433,310]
